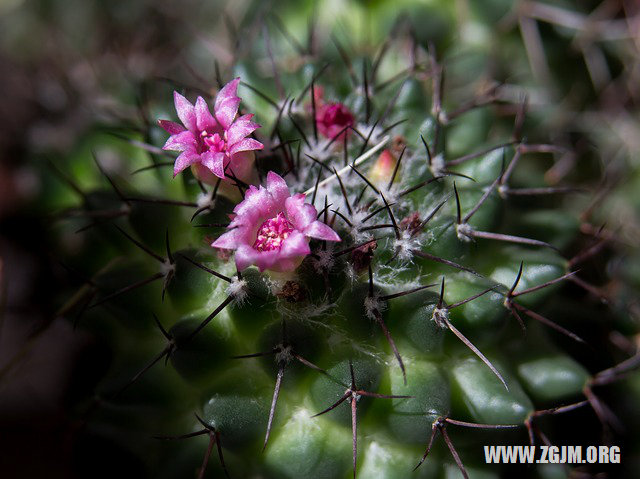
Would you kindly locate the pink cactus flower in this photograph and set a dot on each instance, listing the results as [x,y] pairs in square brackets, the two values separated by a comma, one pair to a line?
[332,118]
[271,228]
[211,141]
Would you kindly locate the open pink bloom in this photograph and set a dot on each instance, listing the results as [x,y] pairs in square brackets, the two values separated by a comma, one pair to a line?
[271,228]
[211,140]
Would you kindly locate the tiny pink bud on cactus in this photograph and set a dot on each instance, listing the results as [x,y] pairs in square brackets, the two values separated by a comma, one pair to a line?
[212,141]
[332,118]
[382,169]
[272,228]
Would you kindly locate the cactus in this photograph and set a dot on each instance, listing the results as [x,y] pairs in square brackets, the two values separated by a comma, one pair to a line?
[372,279]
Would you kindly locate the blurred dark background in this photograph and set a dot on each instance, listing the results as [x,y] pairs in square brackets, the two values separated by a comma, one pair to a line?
[63,64]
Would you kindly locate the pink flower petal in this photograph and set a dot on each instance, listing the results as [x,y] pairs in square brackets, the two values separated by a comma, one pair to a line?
[204,174]
[180,141]
[246,145]
[243,166]
[226,112]
[301,214]
[240,129]
[185,111]
[246,256]
[321,231]
[295,245]
[204,118]
[228,92]
[184,160]
[215,163]
[289,264]
[251,193]
[228,240]
[267,260]
[256,206]
[171,127]
[277,187]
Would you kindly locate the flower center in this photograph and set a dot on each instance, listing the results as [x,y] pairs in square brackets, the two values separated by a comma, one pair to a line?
[213,142]
[272,233]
